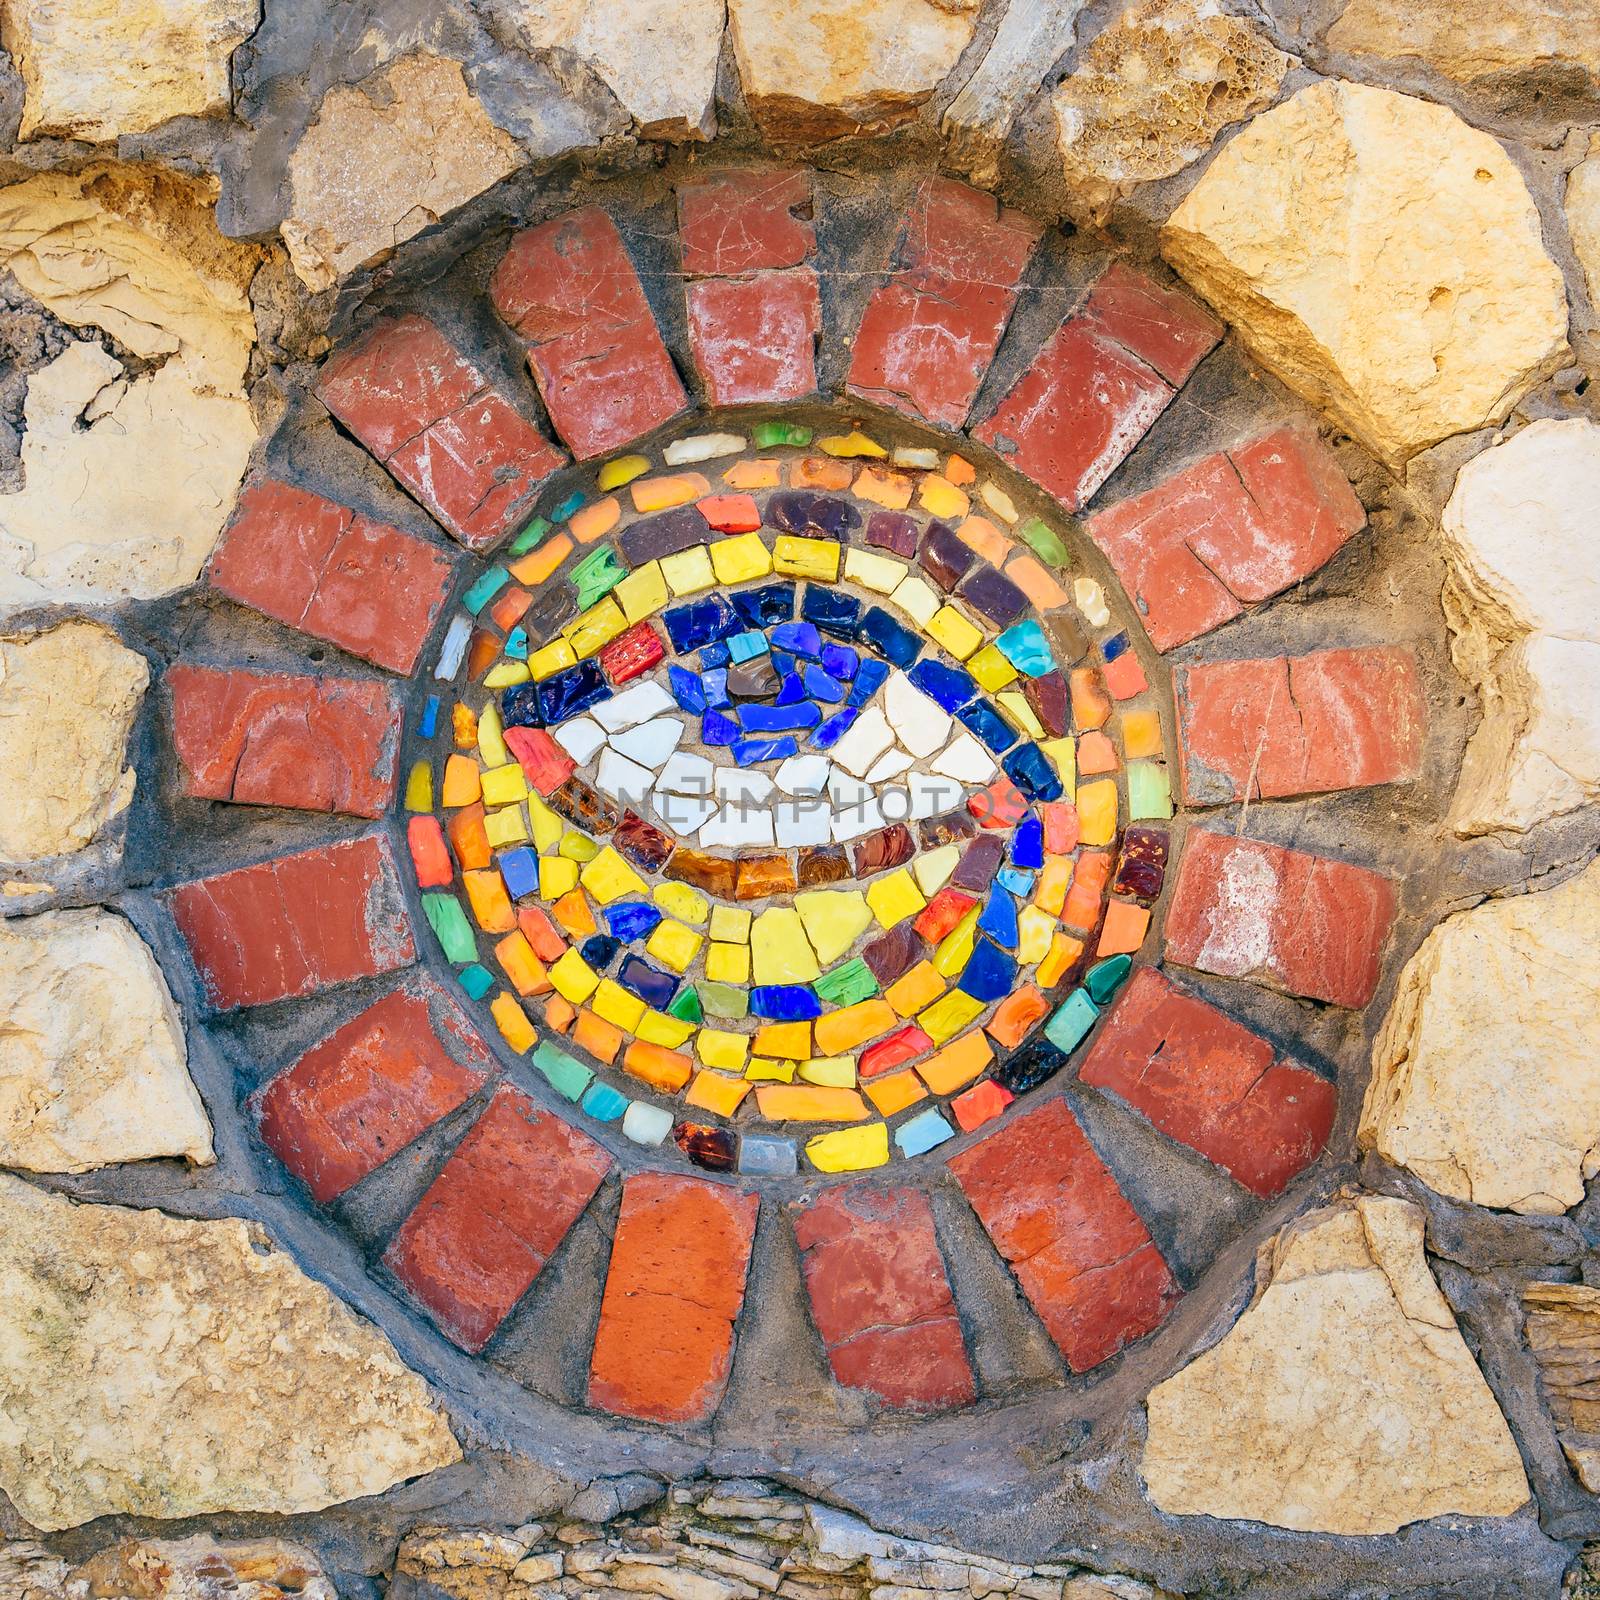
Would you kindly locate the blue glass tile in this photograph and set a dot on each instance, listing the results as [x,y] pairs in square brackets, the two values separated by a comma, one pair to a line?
[1033,1062]
[832,610]
[686,688]
[948,687]
[600,950]
[784,1002]
[632,919]
[989,973]
[428,724]
[1116,645]
[715,686]
[519,707]
[992,730]
[652,985]
[747,645]
[715,655]
[998,918]
[870,677]
[520,869]
[791,691]
[717,727]
[1029,768]
[1017,880]
[749,752]
[762,607]
[757,718]
[800,637]
[821,686]
[517,644]
[1027,843]
[834,729]
[698,622]
[889,638]
[840,661]
[572,690]
[922,1133]
[1027,649]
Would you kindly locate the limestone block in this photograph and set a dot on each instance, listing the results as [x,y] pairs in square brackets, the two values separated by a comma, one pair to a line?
[1522,598]
[1482,1075]
[1344,1400]
[1563,1332]
[202,1568]
[1152,92]
[167,1368]
[1382,258]
[92,1062]
[68,698]
[1583,215]
[821,69]
[95,69]
[384,159]
[658,57]
[128,476]
[1469,42]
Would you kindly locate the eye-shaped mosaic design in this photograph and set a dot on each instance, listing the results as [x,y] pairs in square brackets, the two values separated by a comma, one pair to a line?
[813,815]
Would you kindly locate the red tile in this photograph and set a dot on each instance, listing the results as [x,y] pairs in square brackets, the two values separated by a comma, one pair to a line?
[371,1087]
[1159,325]
[1230,530]
[1084,1259]
[632,653]
[1210,1083]
[754,339]
[495,1214]
[880,1296]
[930,332]
[1337,719]
[676,1283]
[1077,412]
[430,416]
[1305,923]
[568,288]
[296,925]
[322,569]
[279,739]
[745,220]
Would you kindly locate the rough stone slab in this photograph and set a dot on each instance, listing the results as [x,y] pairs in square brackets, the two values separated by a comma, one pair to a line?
[1084,1259]
[68,700]
[296,925]
[1583,215]
[93,1068]
[154,1367]
[1482,1080]
[1210,1083]
[1301,922]
[280,739]
[880,1296]
[325,570]
[1380,256]
[369,1088]
[1292,725]
[674,1289]
[494,1215]
[1563,1331]
[929,334]
[1343,1401]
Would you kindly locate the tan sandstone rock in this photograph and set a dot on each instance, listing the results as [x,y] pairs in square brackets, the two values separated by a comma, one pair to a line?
[1563,1332]
[1380,256]
[94,69]
[92,1062]
[1522,598]
[200,1568]
[821,69]
[384,159]
[1483,1079]
[167,1368]
[68,698]
[1583,216]
[1152,92]
[1471,41]
[128,477]
[1344,1400]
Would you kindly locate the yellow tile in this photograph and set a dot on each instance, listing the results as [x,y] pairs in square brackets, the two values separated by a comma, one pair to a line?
[491,737]
[728,963]
[574,979]
[932,868]
[949,1014]
[949,628]
[419,787]
[764,1070]
[1034,927]
[512,1021]
[991,668]
[850,1149]
[577,847]
[504,786]
[688,571]
[780,952]
[1097,811]
[794,556]
[1015,709]
[788,1041]
[956,946]
[920,987]
[879,573]
[711,1092]
[505,827]
[998,501]
[740,558]
[656,1027]
[617,1006]
[1141,734]
[597,627]
[1062,754]
[608,877]
[620,472]
[547,826]
[830,1072]
[674,945]
[854,443]
[730,924]
[642,593]
[719,1048]
[557,876]
[555,657]
[917,599]
[680,901]
[1050,887]
[506,674]
[803,1103]
[894,898]
[941,497]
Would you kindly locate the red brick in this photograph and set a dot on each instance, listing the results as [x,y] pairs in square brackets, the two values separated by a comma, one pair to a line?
[1305,923]
[754,339]
[1210,1083]
[745,220]
[1076,414]
[430,416]
[1084,1259]
[1159,325]
[494,1215]
[675,1287]
[372,1086]
[568,288]
[278,739]
[880,1296]
[296,925]
[322,569]
[1291,725]
[1231,530]
[930,332]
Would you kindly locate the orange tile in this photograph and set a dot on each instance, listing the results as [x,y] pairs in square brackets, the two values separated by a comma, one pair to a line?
[596,521]
[464,726]
[958,1063]
[669,490]
[920,987]
[658,1066]
[1015,1016]
[959,470]
[540,932]
[1123,930]
[884,488]
[840,1032]
[895,1091]
[1096,754]
[509,609]
[1089,876]
[1036,581]
[512,1021]
[804,1102]
[1064,950]
[600,1038]
[1060,826]
[538,564]
[1091,705]
[521,965]
[980,1104]
[1050,888]
[820,472]
[462,785]
[759,474]
[469,838]
[491,905]
[788,1041]
[573,913]
[980,534]
[711,1091]
[560,1013]
[483,650]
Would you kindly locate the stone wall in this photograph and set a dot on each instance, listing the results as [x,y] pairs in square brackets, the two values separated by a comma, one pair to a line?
[1247,1247]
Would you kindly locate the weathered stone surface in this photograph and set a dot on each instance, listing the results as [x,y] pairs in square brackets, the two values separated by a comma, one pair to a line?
[837,67]
[1344,1400]
[1471,42]
[168,1368]
[68,698]
[1482,1080]
[92,1062]
[1583,215]
[1380,256]
[658,57]
[128,478]
[201,1568]
[384,159]
[1563,1331]
[107,67]
[1151,94]
[1522,597]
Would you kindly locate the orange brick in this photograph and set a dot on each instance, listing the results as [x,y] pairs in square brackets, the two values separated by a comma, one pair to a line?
[540,932]
[884,488]
[1096,754]
[1088,885]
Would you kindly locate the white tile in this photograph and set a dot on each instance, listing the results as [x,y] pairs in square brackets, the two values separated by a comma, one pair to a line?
[882,574]
[646,1124]
[684,814]
[965,760]
[920,724]
[864,743]
[651,742]
[624,780]
[702,447]
[805,821]
[687,773]
[580,737]
[889,765]
[916,600]
[739,783]
[736,826]
[930,796]
[804,774]
[633,706]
